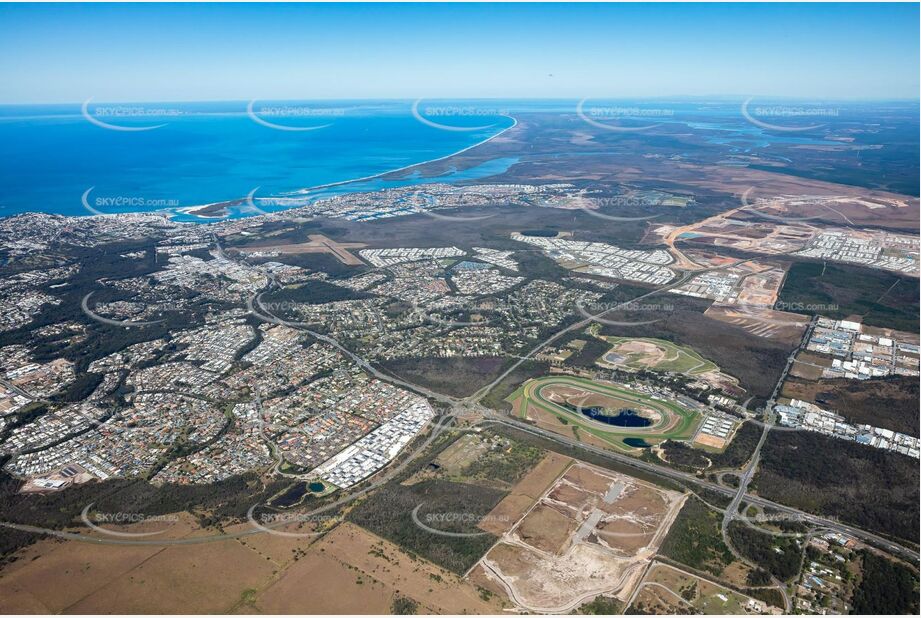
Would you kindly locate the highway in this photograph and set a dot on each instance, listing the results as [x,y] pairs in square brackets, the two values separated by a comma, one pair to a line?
[599,317]
[685,477]
[471,403]
[732,511]
[437,430]
[12,387]
[496,418]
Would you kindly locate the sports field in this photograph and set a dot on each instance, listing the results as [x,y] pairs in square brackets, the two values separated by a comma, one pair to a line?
[552,398]
[657,355]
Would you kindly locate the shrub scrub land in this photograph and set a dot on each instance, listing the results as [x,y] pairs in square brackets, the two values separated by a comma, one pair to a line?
[695,539]
[863,486]
[447,505]
[881,298]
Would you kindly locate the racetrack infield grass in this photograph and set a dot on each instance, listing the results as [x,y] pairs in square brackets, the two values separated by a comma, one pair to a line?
[677,423]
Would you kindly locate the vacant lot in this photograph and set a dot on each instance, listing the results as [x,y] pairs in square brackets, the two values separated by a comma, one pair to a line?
[388,513]
[525,493]
[591,533]
[666,589]
[347,571]
[455,376]
[695,539]
[891,403]
[782,326]
[91,579]
[353,571]
[546,529]
[455,504]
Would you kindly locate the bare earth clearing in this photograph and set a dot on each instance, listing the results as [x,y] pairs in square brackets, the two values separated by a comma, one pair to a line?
[591,533]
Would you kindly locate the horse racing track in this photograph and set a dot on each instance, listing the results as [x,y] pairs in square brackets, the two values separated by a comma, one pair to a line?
[603,413]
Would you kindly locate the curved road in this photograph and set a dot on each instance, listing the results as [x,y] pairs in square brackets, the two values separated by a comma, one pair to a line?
[669,473]
[472,402]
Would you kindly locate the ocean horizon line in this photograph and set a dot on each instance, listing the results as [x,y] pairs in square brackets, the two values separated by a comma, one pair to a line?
[726,98]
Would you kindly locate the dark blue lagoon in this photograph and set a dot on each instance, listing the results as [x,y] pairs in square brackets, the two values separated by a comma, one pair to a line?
[637,442]
[623,418]
[291,496]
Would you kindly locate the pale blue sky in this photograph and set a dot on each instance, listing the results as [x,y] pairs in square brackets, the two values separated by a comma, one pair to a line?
[120,52]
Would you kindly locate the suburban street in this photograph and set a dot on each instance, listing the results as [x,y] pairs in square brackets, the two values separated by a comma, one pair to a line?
[471,403]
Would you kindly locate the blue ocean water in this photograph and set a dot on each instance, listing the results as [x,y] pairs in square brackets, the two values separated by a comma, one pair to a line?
[203,153]
[56,158]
